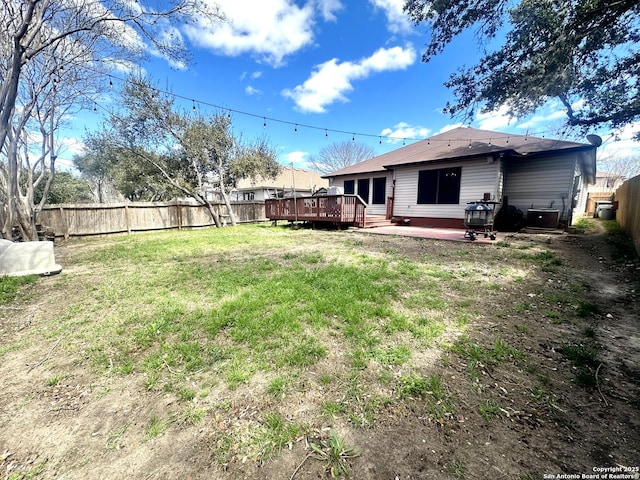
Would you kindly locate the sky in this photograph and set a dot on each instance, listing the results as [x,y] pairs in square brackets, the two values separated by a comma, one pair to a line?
[309,73]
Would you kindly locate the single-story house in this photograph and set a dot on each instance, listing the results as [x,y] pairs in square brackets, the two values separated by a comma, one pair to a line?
[290,182]
[432,181]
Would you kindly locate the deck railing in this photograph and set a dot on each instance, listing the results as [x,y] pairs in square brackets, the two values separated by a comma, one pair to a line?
[337,209]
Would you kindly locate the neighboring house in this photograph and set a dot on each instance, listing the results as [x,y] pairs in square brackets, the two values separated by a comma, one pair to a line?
[431,182]
[606,183]
[602,190]
[290,182]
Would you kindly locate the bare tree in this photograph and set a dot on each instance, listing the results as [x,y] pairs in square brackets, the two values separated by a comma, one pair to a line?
[339,155]
[621,168]
[189,152]
[28,156]
[54,38]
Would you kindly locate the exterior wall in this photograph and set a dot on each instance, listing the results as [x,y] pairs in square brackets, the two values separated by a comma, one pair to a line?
[377,209]
[581,196]
[477,178]
[540,183]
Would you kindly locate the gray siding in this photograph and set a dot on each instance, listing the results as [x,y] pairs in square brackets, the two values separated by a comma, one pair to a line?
[477,178]
[541,183]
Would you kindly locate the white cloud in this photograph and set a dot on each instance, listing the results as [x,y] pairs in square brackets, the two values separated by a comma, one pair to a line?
[269,29]
[494,120]
[328,8]
[397,20]
[252,91]
[298,158]
[621,143]
[331,80]
[403,130]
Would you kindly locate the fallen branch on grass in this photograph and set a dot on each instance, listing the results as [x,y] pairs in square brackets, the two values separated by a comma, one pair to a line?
[35,365]
[598,385]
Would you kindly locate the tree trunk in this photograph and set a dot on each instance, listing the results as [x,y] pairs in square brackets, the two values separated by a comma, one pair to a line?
[227,203]
[212,212]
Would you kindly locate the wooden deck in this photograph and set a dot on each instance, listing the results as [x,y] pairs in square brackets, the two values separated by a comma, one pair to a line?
[341,210]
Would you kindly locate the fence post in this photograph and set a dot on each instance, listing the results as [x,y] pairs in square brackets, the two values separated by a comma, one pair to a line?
[63,219]
[126,217]
[178,213]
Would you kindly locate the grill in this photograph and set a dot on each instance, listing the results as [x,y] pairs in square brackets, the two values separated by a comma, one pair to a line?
[478,219]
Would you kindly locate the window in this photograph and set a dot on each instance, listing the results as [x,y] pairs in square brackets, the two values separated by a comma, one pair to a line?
[363,189]
[379,191]
[248,196]
[349,187]
[439,186]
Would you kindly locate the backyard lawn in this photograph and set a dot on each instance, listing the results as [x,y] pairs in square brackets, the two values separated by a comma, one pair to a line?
[270,352]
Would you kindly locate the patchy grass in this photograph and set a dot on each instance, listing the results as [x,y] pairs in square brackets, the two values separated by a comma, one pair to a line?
[262,335]
[10,286]
[335,454]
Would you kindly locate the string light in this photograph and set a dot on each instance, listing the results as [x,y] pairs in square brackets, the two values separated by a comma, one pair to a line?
[194,105]
[353,137]
[296,125]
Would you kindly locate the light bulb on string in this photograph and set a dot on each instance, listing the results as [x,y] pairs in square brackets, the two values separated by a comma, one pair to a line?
[295,130]
[469,143]
[489,142]
[194,105]
[264,122]
[448,143]
[326,133]
[353,137]
[380,140]
[110,83]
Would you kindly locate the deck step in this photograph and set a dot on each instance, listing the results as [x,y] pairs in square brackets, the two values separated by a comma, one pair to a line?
[377,221]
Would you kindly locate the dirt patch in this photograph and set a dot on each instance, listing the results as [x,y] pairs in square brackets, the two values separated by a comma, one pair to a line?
[520,412]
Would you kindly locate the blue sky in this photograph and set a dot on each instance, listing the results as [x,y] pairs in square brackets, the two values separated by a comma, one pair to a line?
[320,67]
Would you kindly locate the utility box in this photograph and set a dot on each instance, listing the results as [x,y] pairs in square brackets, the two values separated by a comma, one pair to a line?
[542,218]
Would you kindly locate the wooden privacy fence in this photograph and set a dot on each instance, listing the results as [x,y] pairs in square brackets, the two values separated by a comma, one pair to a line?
[628,212]
[67,220]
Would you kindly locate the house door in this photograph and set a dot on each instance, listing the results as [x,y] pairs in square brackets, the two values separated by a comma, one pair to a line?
[363,189]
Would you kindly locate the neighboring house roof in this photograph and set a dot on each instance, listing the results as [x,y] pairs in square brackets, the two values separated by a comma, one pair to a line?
[467,142]
[304,180]
[609,175]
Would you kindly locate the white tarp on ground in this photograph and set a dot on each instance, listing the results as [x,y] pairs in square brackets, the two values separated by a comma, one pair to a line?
[27,258]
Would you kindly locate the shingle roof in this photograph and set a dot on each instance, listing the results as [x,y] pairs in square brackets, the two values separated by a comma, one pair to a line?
[304,180]
[461,142]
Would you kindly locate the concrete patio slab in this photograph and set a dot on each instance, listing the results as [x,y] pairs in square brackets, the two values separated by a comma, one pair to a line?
[452,234]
